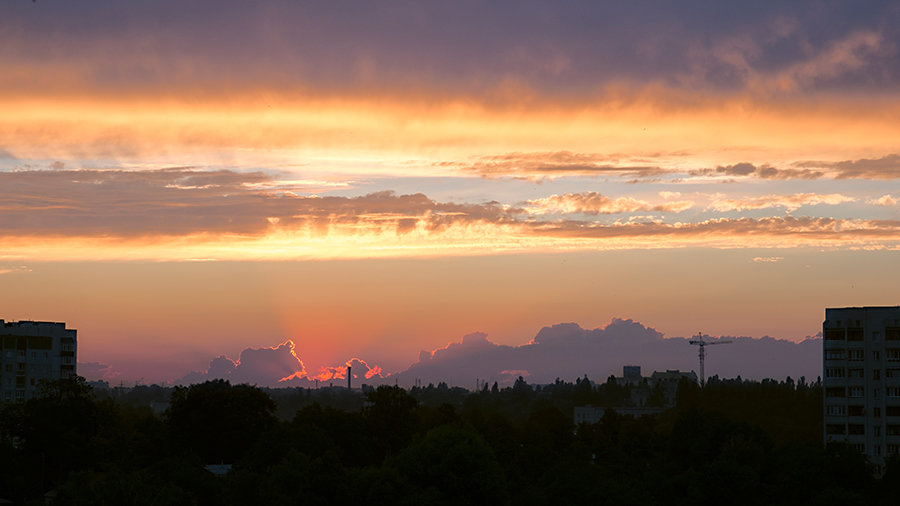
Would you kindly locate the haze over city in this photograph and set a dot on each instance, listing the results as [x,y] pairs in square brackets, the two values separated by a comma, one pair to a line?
[268,192]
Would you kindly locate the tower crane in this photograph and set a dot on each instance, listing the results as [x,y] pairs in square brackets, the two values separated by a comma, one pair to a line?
[703,344]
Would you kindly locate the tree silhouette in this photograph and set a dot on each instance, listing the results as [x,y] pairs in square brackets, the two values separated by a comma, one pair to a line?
[218,421]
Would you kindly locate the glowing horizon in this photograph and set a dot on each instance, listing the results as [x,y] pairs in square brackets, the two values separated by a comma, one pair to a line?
[266,163]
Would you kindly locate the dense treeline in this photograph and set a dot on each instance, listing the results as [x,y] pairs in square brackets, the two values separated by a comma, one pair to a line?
[733,442]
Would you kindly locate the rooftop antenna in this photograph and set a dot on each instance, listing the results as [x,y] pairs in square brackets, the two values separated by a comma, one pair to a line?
[703,344]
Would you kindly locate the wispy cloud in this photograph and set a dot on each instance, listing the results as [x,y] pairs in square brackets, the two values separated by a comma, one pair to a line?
[593,203]
[885,167]
[181,214]
[767,260]
[556,164]
[884,200]
[763,171]
[853,52]
[17,269]
[789,202]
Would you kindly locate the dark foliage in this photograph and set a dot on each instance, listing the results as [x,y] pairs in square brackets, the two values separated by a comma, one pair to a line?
[730,442]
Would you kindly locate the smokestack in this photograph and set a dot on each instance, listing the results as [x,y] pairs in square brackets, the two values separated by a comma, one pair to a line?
[349,377]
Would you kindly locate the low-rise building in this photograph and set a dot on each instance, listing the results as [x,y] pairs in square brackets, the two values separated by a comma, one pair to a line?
[643,396]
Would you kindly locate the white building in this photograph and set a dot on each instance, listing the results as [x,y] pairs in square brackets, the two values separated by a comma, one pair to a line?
[31,352]
[640,387]
[861,355]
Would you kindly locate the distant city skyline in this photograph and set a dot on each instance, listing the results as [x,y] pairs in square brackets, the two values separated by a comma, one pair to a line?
[375,179]
[562,351]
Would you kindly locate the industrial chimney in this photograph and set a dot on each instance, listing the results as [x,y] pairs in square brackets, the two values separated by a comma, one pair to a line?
[349,377]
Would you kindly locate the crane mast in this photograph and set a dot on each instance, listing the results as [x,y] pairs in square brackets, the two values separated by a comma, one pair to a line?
[703,344]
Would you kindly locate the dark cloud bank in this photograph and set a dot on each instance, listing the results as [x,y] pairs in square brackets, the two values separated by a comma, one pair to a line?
[564,351]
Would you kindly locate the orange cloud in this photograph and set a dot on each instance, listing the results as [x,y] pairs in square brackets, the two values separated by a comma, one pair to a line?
[634,132]
[358,368]
[78,215]
[259,366]
[885,167]
[18,269]
[885,201]
[558,164]
[789,202]
[595,203]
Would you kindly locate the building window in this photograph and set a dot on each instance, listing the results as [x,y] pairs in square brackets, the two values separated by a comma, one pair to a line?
[892,411]
[856,429]
[892,354]
[876,374]
[834,334]
[834,372]
[857,355]
[834,355]
[892,373]
[9,368]
[857,391]
[836,410]
[876,356]
[876,430]
[835,392]
[893,430]
[892,334]
[877,450]
[855,410]
[893,391]
[854,334]
[893,449]
[860,447]
[876,412]
[835,429]
[856,373]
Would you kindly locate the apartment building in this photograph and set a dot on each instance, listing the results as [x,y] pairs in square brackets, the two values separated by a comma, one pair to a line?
[861,355]
[31,352]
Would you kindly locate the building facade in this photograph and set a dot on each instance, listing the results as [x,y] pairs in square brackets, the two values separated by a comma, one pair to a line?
[861,355]
[640,390]
[31,352]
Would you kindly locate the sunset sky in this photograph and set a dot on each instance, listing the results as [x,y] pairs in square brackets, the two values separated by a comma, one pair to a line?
[184,180]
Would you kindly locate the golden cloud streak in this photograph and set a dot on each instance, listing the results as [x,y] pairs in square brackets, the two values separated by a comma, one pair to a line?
[367,239]
[371,134]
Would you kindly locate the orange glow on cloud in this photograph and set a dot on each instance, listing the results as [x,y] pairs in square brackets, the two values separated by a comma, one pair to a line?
[380,238]
[327,373]
[432,136]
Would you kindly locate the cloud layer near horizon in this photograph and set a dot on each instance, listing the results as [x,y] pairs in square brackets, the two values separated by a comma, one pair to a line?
[563,351]
[277,366]
[567,351]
